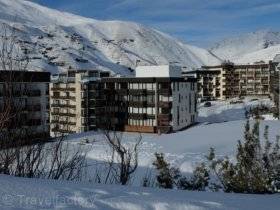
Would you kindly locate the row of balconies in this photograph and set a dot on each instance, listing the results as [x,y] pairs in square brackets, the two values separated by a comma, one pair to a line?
[28,108]
[59,88]
[144,116]
[63,97]
[55,113]
[24,93]
[63,105]
[63,122]
[162,104]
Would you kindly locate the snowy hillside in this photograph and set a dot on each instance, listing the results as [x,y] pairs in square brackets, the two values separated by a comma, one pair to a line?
[249,48]
[56,41]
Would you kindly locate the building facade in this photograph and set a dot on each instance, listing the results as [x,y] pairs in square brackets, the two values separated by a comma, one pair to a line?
[157,100]
[24,104]
[75,101]
[229,81]
[275,81]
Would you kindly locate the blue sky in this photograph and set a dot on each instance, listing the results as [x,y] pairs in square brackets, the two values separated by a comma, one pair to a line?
[198,22]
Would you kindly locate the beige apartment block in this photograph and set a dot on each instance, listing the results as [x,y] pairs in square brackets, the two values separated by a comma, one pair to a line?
[75,100]
[229,81]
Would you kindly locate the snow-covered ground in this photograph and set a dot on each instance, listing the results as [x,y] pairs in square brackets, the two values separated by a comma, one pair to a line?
[183,149]
[21,193]
[224,111]
[221,126]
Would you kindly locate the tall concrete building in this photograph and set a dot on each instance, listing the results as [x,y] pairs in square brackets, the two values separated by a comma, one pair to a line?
[229,80]
[157,100]
[75,101]
[24,104]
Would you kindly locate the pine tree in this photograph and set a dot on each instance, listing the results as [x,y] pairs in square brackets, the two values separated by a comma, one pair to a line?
[257,168]
[167,176]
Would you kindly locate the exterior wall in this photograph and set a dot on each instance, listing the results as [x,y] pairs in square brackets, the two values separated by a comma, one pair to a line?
[63,107]
[184,105]
[229,81]
[31,98]
[247,80]
[150,104]
[275,82]
[136,104]
[158,71]
[73,102]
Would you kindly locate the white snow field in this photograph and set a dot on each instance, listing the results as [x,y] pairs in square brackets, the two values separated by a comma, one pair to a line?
[221,126]
[182,149]
[21,193]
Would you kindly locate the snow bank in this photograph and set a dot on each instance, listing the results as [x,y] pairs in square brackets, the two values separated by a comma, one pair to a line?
[21,193]
[223,111]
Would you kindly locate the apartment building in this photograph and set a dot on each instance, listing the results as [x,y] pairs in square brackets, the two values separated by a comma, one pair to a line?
[24,104]
[229,80]
[157,100]
[75,101]
[209,80]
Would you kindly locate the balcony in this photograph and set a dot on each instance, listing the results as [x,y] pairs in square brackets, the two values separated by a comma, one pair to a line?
[164,117]
[63,89]
[33,108]
[137,103]
[137,91]
[165,91]
[34,122]
[63,97]
[99,112]
[63,114]
[34,93]
[64,106]
[165,104]
[135,116]
[122,91]
[63,122]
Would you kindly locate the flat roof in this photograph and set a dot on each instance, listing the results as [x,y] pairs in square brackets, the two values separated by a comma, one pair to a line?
[148,79]
[24,76]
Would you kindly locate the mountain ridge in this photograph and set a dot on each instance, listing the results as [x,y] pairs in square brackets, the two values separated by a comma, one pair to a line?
[250,47]
[61,40]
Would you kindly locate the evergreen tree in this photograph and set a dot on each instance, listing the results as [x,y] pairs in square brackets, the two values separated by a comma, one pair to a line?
[167,176]
[257,168]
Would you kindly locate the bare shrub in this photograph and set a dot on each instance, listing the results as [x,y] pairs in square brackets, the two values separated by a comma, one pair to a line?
[124,158]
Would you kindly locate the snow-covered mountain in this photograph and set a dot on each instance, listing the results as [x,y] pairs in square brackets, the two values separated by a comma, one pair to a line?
[248,48]
[57,40]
